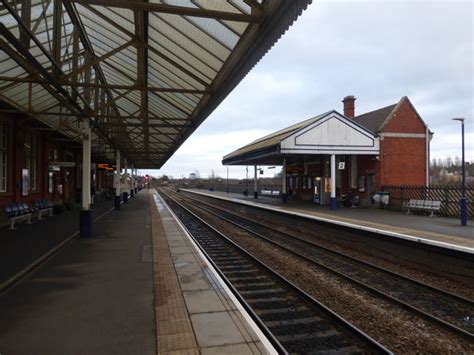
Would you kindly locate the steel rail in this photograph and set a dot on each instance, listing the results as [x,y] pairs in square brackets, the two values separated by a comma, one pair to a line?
[460,331]
[358,333]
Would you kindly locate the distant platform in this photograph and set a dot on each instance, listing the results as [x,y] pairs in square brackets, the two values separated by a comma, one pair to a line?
[440,231]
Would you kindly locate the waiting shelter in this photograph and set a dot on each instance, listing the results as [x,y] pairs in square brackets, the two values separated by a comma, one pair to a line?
[334,155]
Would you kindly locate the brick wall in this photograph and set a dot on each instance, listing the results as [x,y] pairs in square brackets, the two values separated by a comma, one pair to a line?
[403,159]
[16,162]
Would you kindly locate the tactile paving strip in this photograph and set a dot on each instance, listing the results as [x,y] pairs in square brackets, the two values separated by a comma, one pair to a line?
[174,330]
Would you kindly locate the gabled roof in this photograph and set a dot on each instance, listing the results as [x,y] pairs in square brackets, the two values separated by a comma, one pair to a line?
[273,139]
[375,120]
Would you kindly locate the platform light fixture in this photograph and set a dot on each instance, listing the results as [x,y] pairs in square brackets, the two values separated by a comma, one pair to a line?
[463,181]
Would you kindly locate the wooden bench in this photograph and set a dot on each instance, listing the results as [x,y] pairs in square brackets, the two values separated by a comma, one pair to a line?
[423,205]
[44,207]
[18,211]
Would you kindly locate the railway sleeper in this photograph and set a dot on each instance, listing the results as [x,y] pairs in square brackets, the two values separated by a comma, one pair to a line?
[262,291]
[237,267]
[317,337]
[269,304]
[267,299]
[239,271]
[282,314]
[257,286]
[287,322]
[244,280]
[317,327]
[224,262]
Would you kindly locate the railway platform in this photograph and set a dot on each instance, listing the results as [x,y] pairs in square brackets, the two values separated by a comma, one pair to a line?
[29,244]
[440,231]
[138,286]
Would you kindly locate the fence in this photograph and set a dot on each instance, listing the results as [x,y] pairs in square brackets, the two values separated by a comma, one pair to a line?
[449,196]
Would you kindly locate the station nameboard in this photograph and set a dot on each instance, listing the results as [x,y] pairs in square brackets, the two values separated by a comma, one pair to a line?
[294,169]
[63,164]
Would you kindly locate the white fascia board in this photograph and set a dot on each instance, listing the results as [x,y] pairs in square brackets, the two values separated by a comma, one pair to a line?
[331,134]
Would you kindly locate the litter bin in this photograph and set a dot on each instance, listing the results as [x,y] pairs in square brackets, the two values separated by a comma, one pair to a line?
[381,198]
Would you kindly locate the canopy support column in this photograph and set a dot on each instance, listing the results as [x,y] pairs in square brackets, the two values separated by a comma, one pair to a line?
[255,183]
[85,215]
[117,182]
[333,201]
[125,192]
[136,181]
[284,195]
[132,182]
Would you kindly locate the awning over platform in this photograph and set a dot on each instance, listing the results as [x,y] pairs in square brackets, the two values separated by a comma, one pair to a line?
[326,134]
[145,74]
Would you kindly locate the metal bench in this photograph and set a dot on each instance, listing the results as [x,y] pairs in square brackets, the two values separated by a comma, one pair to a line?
[44,207]
[423,205]
[269,193]
[18,211]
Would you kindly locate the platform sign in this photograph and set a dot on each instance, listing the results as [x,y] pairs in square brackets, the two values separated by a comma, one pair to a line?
[50,182]
[294,169]
[362,183]
[106,166]
[63,164]
[327,184]
[25,182]
[342,165]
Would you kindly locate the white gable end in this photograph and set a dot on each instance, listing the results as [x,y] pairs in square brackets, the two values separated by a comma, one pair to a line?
[332,134]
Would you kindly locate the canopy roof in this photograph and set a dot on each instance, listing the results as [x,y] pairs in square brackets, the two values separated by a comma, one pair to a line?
[272,148]
[145,73]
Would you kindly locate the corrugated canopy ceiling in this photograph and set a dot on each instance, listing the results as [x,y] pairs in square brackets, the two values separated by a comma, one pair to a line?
[145,73]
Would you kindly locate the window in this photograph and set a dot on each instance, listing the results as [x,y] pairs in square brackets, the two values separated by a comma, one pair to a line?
[4,133]
[31,155]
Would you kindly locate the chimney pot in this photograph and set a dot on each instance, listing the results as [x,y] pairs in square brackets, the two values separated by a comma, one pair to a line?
[349,106]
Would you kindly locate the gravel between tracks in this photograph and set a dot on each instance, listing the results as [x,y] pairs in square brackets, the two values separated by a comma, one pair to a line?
[304,230]
[397,329]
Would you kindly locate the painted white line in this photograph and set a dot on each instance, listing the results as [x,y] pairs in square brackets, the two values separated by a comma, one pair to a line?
[227,290]
[341,223]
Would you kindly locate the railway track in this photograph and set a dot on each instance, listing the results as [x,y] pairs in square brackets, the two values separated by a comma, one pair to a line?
[448,310]
[294,321]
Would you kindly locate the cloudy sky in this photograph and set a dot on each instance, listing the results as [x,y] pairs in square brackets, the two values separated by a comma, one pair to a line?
[377,51]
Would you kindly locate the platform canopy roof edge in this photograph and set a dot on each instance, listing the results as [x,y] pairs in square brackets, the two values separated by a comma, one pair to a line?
[325,134]
[145,74]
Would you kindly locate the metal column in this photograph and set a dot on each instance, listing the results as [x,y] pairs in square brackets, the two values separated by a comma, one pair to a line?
[284,195]
[136,181]
[125,192]
[85,215]
[117,182]
[333,201]
[255,183]
[132,182]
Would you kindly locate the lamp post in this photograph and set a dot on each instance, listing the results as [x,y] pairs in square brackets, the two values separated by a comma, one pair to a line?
[463,181]
[227,181]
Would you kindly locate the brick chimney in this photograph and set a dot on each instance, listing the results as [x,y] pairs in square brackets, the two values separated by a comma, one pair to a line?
[349,106]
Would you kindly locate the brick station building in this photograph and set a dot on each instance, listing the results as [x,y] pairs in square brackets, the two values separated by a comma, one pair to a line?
[332,154]
[50,160]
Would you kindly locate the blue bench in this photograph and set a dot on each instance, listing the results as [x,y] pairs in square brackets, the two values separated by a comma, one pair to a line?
[18,211]
[44,206]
